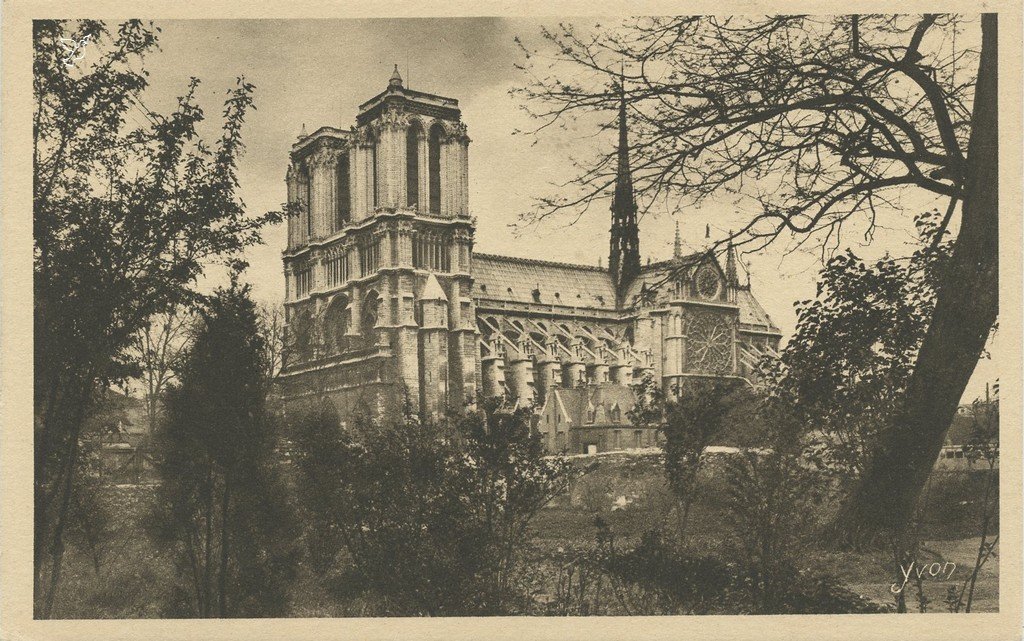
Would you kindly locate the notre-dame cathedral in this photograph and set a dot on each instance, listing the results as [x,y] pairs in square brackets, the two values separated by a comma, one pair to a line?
[389,309]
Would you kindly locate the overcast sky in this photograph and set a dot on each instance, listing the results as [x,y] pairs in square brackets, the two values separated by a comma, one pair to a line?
[317,72]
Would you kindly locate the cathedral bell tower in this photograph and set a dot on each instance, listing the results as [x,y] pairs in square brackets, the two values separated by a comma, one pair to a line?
[379,257]
[624,255]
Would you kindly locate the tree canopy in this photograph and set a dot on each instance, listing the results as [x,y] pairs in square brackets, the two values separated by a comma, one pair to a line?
[807,121]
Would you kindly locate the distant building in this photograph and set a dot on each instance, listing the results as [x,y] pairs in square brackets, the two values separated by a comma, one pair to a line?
[388,307]
[973,435]
[122,437]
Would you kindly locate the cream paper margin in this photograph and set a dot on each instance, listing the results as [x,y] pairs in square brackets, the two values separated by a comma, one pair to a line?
[16,621]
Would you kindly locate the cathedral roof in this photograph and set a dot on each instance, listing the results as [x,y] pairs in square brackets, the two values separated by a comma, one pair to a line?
[524,280]
[602,398]
[432,290]
[751,312]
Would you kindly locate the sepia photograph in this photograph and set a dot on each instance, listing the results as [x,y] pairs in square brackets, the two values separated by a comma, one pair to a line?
[519,316]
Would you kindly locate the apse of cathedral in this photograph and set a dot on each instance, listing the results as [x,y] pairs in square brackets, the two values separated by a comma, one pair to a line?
[389,309]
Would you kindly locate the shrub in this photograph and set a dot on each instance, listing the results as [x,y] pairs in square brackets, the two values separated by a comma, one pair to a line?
[431,516]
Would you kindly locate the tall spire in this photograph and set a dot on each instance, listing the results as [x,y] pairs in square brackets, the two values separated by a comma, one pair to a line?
[677,245]
[731,274]
[624,255]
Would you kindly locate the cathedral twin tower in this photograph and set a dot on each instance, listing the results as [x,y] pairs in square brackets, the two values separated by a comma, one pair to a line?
[408,150]
[378,213]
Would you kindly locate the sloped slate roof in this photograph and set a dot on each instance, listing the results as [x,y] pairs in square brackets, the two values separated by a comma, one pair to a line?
[515,279]
[604,396]
[751,312]
[656,274]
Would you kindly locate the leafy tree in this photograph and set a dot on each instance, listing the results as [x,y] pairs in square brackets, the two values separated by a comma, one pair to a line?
[159,346]
[432,517]
[272,328]
[818,122]
[982,446]
[846,369]
[124,220]
[690,421]
[775,501]
[222,502]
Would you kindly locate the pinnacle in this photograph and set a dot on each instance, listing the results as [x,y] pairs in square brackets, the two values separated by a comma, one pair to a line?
[396,78]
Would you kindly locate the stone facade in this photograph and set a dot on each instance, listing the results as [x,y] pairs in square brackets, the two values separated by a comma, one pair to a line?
[388,308]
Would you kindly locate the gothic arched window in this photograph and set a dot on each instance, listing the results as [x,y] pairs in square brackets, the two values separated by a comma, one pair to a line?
[336,325]
[368,323]
[434,166]
[412,164]
[299,336]
[344,200]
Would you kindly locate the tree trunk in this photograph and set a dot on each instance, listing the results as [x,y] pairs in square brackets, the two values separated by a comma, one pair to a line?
[224,538]
[57,545]
[967,304]
[208,567]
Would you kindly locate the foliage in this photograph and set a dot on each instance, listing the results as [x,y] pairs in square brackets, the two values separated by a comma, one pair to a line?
[432,516]
[982,445]
[272,328]
[124,219]
[777,497]
[657,577]
[222,503]
[846,368]
[159,348]
[692,420]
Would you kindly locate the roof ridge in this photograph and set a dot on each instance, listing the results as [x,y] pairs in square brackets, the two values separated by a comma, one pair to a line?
[670,261]
[536,261]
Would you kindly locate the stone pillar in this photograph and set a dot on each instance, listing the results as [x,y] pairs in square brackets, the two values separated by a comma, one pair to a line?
[289,277]
[548,372]
[356,307]
[318,274]
[391,165]
[324,173]
[423,202]
[291,180]
[357,179]
[403,237]
[383,236]
[599,370]
[453,255]
[463,345]
[574,369]
[302,187]
[449,177]
[622,371]
[367,170]
[464,191]
[520,374]
[492,369]
[673,336]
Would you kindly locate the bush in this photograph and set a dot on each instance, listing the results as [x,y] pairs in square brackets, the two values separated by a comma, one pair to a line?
[690,582]
[432,517]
